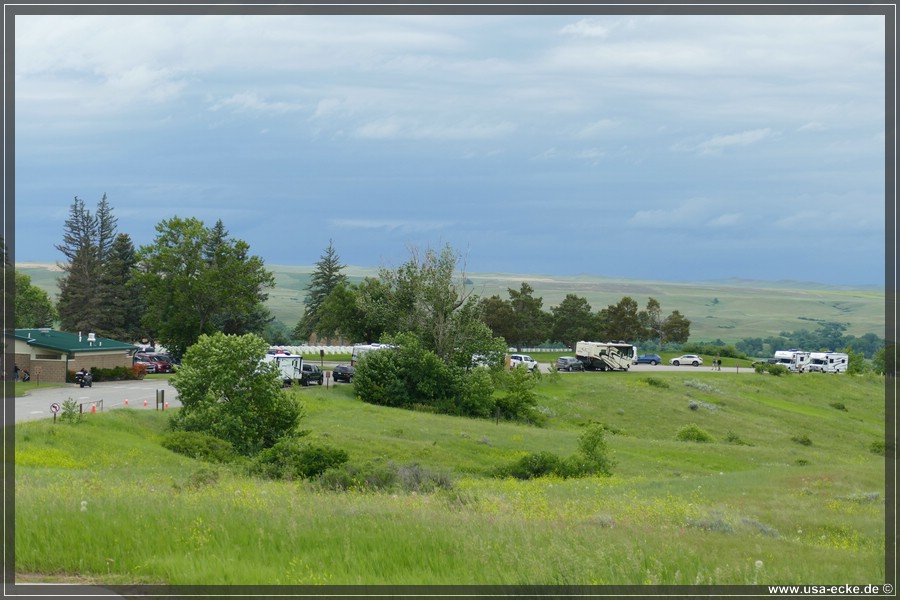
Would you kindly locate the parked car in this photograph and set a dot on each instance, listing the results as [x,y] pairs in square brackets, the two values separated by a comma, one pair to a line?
[343,373]
[310,373]
[649,359]
[149,365]
[687,359]
[160,365]
[569,363]
[517,360]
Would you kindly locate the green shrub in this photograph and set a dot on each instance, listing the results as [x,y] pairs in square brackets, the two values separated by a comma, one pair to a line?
[771,369]
[877,447]
[803,440]
[593,447]
[519,403]
[70,412]
[534,465]
[838,406]
[227,391]
[291,459]
[199,445]
[658,383]
[374,476]
[733,438]
[693,433]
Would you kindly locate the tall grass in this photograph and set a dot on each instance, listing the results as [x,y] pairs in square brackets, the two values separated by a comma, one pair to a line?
[102,500]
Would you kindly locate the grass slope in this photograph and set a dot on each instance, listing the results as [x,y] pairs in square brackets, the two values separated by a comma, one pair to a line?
[102,501]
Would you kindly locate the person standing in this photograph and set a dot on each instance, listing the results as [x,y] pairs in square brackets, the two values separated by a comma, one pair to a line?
[16,371]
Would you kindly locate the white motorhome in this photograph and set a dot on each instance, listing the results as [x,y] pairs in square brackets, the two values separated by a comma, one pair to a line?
[606,356]
[290,366]
[360,349]
[828,362]
[795,360]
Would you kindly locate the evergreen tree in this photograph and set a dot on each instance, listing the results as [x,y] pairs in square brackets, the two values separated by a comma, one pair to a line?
[324,280]
[78,303]
[121,303]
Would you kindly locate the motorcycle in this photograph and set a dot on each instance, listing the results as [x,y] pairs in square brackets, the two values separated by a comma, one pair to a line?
[84,379]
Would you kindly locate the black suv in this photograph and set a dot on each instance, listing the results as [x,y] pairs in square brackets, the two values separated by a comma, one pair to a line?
[343,373]
[310,373]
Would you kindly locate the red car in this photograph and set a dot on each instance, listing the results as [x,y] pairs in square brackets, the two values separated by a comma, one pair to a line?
[156,363]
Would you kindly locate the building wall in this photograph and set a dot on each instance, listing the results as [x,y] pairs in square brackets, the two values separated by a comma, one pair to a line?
[54,371]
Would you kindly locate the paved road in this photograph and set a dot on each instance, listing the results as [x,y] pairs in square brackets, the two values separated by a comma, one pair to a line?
[113,394]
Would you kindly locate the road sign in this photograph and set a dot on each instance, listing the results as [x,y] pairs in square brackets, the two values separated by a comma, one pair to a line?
[54,408]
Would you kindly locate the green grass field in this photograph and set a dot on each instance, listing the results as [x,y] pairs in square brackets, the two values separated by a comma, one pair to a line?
[729,310]
[788,491]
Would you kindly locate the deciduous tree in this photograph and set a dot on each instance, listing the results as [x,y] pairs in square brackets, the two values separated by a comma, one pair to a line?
[571,320]
[33,305]
[197,281]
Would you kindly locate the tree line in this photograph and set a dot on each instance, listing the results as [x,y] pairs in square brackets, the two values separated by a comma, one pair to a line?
[430,290]
[194,279]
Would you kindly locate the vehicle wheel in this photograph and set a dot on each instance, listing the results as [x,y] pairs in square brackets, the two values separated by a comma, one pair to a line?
[653,363]
[676,364]
[695,363]
[321,381]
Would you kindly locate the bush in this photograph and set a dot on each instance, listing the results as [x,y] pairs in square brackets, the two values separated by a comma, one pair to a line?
[878,447]
[593,447]
[199,445]
[693,433]
[803,440]
[771,369]
[531,466]
[519,402]
[70,412]
[112,374]
[733,438]
[227,391]
[659,383]
[384,477]
[291,459]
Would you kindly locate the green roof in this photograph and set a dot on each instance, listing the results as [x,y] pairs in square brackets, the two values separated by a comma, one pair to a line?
[69,342]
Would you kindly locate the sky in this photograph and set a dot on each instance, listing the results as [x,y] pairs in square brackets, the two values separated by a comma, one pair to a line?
[672,148]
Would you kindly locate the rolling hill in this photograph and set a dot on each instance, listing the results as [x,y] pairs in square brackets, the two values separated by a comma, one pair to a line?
[729,310]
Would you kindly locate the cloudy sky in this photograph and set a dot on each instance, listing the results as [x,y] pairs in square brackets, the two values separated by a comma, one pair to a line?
[680,148]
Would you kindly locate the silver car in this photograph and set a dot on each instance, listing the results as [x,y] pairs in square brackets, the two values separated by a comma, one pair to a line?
[687,359]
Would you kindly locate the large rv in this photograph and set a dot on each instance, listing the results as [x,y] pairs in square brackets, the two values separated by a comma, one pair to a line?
[606,356]
[795,360]
[828,362]
[290,366]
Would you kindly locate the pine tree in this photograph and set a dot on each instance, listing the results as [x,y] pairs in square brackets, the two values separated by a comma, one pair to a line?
[78,301]
[324,280]
[121,303]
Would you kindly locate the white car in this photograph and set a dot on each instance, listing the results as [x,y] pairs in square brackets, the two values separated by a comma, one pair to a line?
[687,359]
[517,360]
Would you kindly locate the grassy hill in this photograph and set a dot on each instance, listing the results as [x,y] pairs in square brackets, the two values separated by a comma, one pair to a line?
[728,310]
[790,489]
